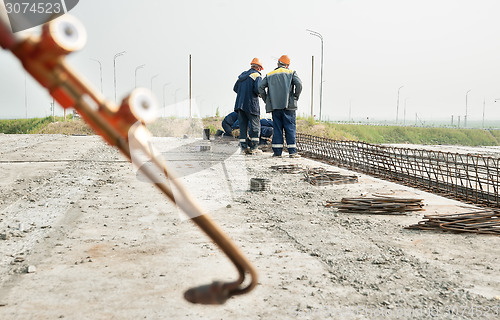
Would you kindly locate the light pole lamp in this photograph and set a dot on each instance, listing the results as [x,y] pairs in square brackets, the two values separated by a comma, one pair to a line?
[137,68]
[114,67]
[317,34]
[465,119]
[100,70]
[397,106]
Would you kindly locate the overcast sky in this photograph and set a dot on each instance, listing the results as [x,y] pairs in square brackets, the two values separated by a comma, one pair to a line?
[436,49]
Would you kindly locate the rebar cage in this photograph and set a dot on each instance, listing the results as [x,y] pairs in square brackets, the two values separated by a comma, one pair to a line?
[472,178]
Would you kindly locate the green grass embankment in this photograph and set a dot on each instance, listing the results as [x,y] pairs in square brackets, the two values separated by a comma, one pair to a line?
[19,126]
[365,133]
[47,125]
[397,134]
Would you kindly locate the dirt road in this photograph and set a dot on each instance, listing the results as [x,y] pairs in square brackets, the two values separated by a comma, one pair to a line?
[83,237]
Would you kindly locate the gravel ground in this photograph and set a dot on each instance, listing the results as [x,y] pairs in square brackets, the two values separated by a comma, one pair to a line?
[82,236]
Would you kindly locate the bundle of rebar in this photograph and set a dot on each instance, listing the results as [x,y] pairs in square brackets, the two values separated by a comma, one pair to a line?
[288,168]
[484,222]
[321,177]
[260,184]
[377,205]
[473,178]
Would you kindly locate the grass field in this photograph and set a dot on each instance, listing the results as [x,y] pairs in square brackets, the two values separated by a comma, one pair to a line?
[357,132]
[399,134]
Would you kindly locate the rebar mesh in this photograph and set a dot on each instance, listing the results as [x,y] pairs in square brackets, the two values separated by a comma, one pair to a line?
[465,177]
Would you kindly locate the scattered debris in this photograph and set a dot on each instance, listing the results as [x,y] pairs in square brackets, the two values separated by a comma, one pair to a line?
[378,205]
[288,168]
[260,184]
[484,222]
[203,148]
[321,177]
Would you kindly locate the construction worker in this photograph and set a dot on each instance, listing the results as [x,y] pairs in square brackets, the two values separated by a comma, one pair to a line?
[283,90]
[266,128]
[247,106]
[229,123]
[266,131]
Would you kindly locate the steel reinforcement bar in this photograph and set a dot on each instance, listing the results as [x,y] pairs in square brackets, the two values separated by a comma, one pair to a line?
[465,177]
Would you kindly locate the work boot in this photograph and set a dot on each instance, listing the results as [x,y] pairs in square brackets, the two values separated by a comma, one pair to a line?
[294,155]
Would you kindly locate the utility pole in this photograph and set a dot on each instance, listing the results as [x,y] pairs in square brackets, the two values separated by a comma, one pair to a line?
[317,34]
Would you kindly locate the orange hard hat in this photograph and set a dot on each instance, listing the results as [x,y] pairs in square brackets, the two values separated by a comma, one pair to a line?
[284,59]
[257,62]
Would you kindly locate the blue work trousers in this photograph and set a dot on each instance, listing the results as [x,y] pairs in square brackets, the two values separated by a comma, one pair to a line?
[228,130]
[284,120]
[253,131]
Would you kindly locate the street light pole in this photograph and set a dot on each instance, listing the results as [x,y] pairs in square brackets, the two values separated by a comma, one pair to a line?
[137,68]
[404,113]
[350,106]
[52,104]
[397,106]
[317,34]
[175,94]
[164,105]
[190,92]
[484,106]
[100,70]
[26,95]
[152,78]
[465,119]
[114,67]
[312,87]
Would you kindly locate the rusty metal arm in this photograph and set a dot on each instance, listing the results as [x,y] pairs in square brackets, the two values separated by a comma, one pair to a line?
[44,58]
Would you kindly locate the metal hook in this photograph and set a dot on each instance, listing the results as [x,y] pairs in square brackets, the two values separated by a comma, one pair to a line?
[44,59]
